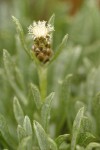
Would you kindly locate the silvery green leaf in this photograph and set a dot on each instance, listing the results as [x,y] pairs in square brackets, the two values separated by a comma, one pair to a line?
[21,34]
[53,145]
[51,20]
[21,133]
[86,138]
[92,145]
[25,144]
[36,96]
[19,78]
[9,69]
[96,110]
[86,125]
[65,93]
[27,126]
[60,139]
[45,110]
[60,48]
[41,136]
[5,132]
[76,127]
[18,112]
[65,103]
[79,105]
[79,147]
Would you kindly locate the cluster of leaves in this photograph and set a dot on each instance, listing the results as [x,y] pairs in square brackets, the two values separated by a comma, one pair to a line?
[74,123]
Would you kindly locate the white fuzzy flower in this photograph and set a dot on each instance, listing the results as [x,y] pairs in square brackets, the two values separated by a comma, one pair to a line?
[40,29]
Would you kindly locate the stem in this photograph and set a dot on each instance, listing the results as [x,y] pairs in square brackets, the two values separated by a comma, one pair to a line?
[42,73]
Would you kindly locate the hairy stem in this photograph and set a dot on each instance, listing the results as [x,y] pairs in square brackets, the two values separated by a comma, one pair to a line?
[42,73]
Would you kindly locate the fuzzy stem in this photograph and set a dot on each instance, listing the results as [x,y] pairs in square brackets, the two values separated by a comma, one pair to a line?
[42,73]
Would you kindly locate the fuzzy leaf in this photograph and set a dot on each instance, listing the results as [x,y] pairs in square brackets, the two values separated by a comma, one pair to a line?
[18,112]
[45,111]
[96,110]
[19,78]
[76,127]
[8,65]
[86,125]
[51,20]
[27,126]
[21,132]
[41,136]
[25,144]
[92,145]
[65,93]
[21,34]
[60,139]
[86,138]
[5,132]
[53,145]
[36,96]
[79,148]
[9,68]
[65,103]
[79,105]
[60,48]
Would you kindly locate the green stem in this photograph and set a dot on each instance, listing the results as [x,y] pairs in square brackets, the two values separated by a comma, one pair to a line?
[42,73]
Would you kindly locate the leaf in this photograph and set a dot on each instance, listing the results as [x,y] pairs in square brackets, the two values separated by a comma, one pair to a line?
[41,136]
[91,79]
[27,126]
[53,145]
[79,105]
[45,110]
[19,78]
[65,93]
[51,20]
[65,103]
[26,143]
[86,125]
[18,112]
[76,127]
[21,34]
[8,65]
[86,138]
[96,110]
[21,133]
[60,139]
[9,69]
[60,48]
[79,148]
[36,96]
[5,132]
[92,145]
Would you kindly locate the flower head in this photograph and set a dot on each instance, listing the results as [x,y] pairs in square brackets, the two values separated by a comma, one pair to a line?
[40,29]
[41,32]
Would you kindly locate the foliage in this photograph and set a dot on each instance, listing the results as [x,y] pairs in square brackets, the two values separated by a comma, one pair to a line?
[54,106]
